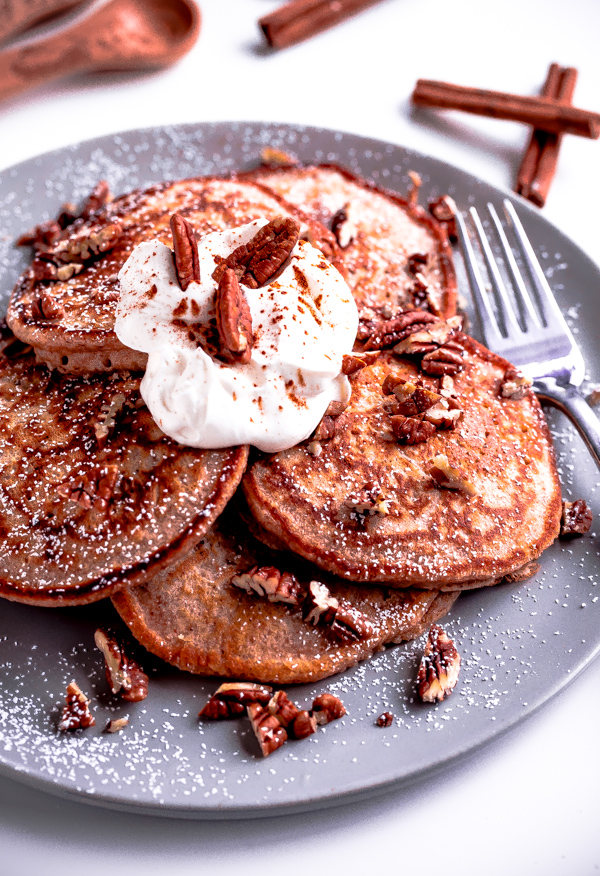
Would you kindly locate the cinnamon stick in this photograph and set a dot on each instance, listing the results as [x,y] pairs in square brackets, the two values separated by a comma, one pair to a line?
[541,156]
[543,113]
[302,19]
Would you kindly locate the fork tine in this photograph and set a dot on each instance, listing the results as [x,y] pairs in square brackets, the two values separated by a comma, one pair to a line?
[504,303]
[549,307]
[530,316]
[490,327]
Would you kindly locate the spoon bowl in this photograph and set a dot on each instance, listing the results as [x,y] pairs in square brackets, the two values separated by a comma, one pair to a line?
[119,36]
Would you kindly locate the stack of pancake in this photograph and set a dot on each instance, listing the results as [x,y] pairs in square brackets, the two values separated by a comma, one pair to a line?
[96,501]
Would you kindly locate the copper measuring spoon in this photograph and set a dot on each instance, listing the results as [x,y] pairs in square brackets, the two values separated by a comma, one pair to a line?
[121,35]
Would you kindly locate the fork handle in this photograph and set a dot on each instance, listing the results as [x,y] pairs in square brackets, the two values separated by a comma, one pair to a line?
[569,400]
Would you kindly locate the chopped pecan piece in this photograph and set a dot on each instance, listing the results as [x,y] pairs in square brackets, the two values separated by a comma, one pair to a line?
[270,582]
[439,667]
[85,244]
[514,384]
[315,448]
[441,417]
[92,490]
[267,729]
[107,418]
[76,713]
[325,430]
[116,724]
[336,408]
[258,261]
[46,306]
[123,674]
[344,230]
[234,320]
[377,332]
[281,706]
[319,606]
[368,501]
[352,364]
[326,708]
[411,430]
[270,157]
[576,518]
[345,623]
[444,210]
[415,185]
[386,719]
[304,725]
[98,197]
[417,261]
[427,338]
[449,477]
[41,236]
[232,697]
[185,251]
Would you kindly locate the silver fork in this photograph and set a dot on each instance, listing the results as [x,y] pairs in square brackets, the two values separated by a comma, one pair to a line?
[537,340]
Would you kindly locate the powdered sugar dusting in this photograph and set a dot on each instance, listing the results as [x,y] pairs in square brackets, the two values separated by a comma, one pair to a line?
[519,642]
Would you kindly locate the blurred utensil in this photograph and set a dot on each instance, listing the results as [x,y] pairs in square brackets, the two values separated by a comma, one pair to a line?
[121,35]
[533,335]
[23,14]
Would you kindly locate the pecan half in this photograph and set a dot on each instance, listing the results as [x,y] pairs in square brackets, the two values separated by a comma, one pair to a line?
[377,332]
[232,697]
[427,338]
[352,364]
[256,262]
[449,477]
[123,674]
[267,729]
[234,321]
[326,708]
[76,713]
[270,582]
[514,384]
[576,518]
[185,251]
[281,706]
[46,306]
[439,667]
[350,625]
[92,490]
[86,244]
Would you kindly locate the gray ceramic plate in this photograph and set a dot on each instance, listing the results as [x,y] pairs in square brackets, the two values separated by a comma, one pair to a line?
[520,643]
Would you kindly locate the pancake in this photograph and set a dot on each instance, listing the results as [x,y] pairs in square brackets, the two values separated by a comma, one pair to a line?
[70,322]
[379,235]
[92,494]
[192,616]
[463,506]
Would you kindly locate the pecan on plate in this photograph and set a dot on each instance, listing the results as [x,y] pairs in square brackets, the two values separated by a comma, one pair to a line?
[76,713]
[234,321]
[185,251]
[344,622]
[303,725]
[232,697]
[327,707]
[256,263]
[124,675]
[449,477]
[267,729]
[351,364]
[115,725]
[271,157]
[446,360]
[85,244]
[92,490]
[270,582]
[439,667]
[377,331]
[386,719]
[282,707]
[514,384]
[576,518]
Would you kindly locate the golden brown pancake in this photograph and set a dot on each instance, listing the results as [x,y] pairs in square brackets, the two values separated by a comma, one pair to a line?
[92,494]
[78,335]
[431,536]
[192,616]
[382,231]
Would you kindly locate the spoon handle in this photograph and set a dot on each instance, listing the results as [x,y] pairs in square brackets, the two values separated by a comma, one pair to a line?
[22,14]
[24,67]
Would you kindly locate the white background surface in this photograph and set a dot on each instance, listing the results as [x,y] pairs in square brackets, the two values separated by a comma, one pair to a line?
[528,803]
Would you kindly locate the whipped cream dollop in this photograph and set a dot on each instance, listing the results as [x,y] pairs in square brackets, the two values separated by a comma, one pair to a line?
[303,323]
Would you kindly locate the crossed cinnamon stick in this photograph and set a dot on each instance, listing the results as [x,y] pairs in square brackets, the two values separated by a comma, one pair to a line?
[551,116]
